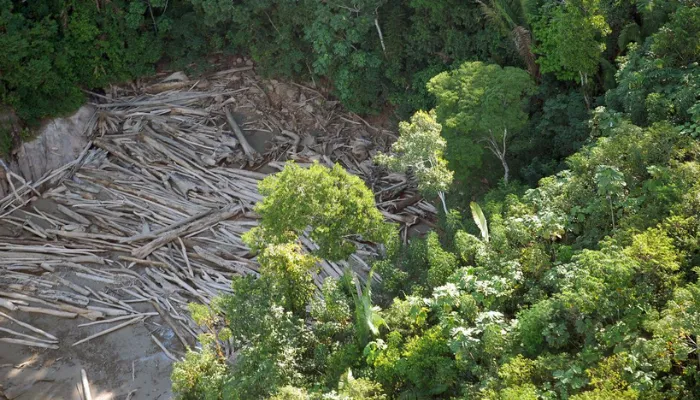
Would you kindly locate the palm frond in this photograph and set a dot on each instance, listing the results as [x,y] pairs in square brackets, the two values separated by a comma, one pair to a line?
[480,220]
[523,44]
[493,14]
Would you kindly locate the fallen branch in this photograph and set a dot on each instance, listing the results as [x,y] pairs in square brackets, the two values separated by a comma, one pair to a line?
[86,385]
[55,313]
[247,148]
[109,330]
[11,332]
[30,327]
[7,304]
[167,353]
[121,318]
[28,343]
[211,220]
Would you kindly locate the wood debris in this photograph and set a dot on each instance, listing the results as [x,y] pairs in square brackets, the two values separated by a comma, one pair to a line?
[153,209]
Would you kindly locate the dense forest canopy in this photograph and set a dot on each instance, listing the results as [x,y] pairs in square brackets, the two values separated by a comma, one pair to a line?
[561,140]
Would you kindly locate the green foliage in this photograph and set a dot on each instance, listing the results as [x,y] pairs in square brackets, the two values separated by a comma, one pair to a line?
[436,32]
[6,140]
[441,263]
[361,388]
[349,388]
[270,30]
[418,367]
[271,340]
[658,80]
[347,50]
[201,375]
[557,131]
[291,393]
[475,103]
[367,317]
[289,270]
[420,148]
[336,205]
[480,220]
[513,19]
[584,287]
[406,271]
[340,43]
[570,38]
[49,48]
[678,324]
[678,42]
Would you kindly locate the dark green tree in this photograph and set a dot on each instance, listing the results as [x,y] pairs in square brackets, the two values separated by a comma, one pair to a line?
[480,105]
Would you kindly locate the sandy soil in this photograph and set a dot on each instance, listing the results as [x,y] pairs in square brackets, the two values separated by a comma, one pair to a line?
[115,364]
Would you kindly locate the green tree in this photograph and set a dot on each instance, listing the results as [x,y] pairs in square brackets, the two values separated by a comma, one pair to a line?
[336,206]
[480,105]
[201,375]
[659,79]
[611,184]
[570,36]
[290,271]
[52,48]
[420,148]
[348,46]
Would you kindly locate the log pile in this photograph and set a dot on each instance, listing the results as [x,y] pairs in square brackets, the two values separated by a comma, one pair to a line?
[153,209]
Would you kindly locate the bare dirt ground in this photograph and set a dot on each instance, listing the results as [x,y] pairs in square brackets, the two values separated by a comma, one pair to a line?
[135,238]
[116,364]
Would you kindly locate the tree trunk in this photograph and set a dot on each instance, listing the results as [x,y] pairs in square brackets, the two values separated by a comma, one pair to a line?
[506,170]
[499,150]
[442,199]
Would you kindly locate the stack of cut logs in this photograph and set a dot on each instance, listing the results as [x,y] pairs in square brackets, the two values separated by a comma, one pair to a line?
[150,216]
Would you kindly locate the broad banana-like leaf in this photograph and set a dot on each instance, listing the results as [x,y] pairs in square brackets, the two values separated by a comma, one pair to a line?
[480,220]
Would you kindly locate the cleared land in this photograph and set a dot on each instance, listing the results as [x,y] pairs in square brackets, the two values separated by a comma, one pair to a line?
[149,218]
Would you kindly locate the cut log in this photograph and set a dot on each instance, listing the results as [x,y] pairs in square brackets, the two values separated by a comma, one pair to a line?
[112,312]
[249,151]
[123,317]
[7,304]
[66,297]
[24,335]
[30,327]
[208,221]
[167,353]
[86,385]
[108,330]
[73,286]
[28,343]
[55,313]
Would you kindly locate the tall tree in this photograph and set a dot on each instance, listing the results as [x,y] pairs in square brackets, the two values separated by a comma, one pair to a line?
[335,205]
[480,105]
[420,148]
[571,38]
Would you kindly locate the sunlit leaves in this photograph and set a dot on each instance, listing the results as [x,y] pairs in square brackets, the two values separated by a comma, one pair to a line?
[420,148]
[335,205]
[570,36]
[476,102]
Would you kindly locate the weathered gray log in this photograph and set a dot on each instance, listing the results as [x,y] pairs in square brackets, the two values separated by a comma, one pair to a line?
[210,220]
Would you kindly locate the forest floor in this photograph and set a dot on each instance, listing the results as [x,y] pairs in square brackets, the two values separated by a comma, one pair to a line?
[149,218]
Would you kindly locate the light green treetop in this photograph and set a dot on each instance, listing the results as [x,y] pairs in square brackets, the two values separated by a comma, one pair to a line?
[334,204]
[420,148]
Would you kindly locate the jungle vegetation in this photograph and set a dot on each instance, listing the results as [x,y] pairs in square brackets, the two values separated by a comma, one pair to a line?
[561,141]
